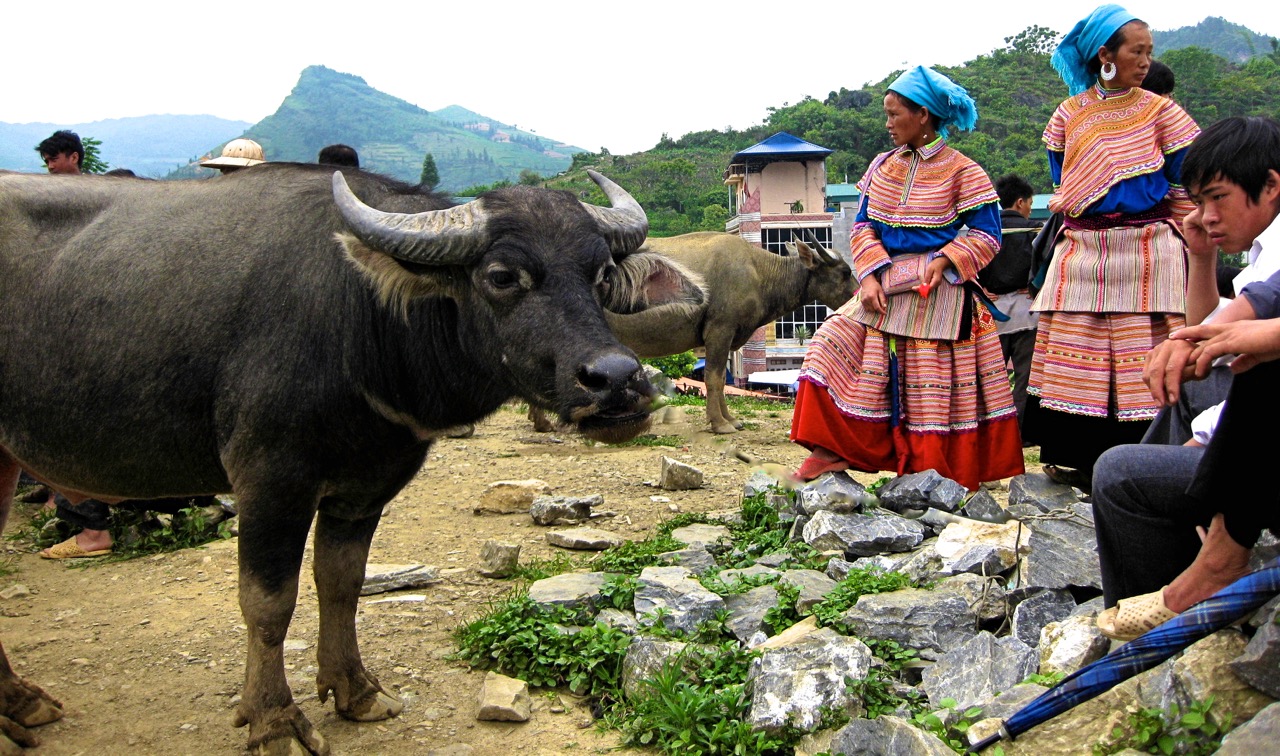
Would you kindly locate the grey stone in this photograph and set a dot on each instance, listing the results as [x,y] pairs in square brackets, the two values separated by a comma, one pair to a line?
[1089,608]
[758,482]
[685,603]
[696,559]
[1068,645]
[380,578]
[1064,552]
[504,699]
[1205,670]
[862,534]
[983,506]
[498,559]
[510,496]
[571,590]
[834,492]
[1265,614]
[619,619]
[583,539]
[792,684]
[813,585]
[1034,612]
[678,476]
[1041,494]
[796,531]
[1007,703]
[1259,665]
[973,672]
[838,569]
[922,490]
[982,548]
[701,534]
[886,736]
[747,611]
[1256,737]
[776,559]
[731,576]
[563,510]
[17,590]
[645,658]
[929,621]
[985,596]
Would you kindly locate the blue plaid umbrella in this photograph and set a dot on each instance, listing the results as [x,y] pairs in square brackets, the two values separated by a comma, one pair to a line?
[1200,621]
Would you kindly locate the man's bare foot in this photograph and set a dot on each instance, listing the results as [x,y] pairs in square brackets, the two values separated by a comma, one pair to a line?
[93,540]
[1220,563]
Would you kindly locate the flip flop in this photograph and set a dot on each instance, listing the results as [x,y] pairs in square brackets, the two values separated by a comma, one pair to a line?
[1133,617]
[69,549]
[815,467]
[1067,477]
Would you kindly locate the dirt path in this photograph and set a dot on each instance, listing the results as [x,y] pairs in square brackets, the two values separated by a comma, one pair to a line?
[148,655]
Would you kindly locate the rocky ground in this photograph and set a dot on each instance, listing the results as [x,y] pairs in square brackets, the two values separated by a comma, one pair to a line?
[147,655]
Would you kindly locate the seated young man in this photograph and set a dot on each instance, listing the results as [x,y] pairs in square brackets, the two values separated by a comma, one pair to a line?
[1152,504]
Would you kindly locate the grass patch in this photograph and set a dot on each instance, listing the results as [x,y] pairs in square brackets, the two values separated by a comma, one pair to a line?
[650,439]
[1031,456]
[541,569]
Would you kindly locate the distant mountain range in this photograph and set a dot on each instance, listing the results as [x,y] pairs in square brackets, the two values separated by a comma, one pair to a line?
[150,145]
[1219,36]
[391,135]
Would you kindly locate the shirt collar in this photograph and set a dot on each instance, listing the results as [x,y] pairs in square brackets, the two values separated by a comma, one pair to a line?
[927,151]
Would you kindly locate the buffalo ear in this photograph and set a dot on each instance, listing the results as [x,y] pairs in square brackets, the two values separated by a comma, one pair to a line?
[398,283]
[646,279]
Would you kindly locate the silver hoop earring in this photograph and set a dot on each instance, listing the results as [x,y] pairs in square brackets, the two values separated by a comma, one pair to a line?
[1108,71]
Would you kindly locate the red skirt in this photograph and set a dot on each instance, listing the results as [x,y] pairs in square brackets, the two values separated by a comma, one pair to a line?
[954,413]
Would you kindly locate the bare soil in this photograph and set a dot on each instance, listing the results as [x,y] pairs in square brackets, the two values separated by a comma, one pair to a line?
[147,655]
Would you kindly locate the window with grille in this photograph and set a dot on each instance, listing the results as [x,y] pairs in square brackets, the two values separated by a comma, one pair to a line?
[812,314]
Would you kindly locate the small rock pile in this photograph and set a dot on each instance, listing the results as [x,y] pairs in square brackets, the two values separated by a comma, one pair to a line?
[1004,592]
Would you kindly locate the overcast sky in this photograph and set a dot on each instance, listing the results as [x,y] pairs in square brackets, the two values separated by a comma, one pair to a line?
[611,74]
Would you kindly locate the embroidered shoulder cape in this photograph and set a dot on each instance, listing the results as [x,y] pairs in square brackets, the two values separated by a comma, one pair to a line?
[917,201]
[1098,140]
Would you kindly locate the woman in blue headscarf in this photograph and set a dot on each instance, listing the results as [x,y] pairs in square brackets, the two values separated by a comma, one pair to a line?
[1115,287]
[908,375]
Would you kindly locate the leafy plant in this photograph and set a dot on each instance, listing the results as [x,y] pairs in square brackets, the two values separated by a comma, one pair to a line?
[649,439]
[1048,681]
[1156,731]
[522,638]
[673,366]
[953,734]
[541,569]
[620,591]
[783,614]
[633,556]
[858,583]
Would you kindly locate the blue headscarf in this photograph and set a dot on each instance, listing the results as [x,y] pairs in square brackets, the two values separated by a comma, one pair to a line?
[1081,45]
[943,97]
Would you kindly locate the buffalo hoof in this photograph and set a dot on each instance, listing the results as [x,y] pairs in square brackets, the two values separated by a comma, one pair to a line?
[288,733]
[374,708]
[14,737]
[26,705]
[725,428]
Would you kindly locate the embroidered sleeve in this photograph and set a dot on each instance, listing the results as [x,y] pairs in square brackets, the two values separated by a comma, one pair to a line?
[970,252]
[866,250]
[1179,200]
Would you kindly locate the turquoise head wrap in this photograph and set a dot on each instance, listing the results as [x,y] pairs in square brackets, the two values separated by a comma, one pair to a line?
[1081,45]
[943,97]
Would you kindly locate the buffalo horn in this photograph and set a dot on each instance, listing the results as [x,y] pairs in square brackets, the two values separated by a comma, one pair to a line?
[437,237]
[821,251]
[624,224]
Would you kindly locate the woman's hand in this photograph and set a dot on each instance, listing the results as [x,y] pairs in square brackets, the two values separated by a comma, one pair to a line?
[873,296]
[933,274]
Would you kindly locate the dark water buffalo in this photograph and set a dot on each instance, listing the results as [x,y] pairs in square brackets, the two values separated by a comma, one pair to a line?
[271,334]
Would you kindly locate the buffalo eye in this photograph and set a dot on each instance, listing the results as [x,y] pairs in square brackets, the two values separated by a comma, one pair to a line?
[502,278]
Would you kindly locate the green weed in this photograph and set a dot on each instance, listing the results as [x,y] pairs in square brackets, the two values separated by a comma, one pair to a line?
[857,583]
[541,569]
[650,439]
[1156,731]
[954,734]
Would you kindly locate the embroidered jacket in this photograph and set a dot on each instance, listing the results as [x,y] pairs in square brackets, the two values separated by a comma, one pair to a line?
[917,201]
[1118,151]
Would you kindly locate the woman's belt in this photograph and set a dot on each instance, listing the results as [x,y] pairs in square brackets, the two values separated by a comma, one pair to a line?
[1162,211]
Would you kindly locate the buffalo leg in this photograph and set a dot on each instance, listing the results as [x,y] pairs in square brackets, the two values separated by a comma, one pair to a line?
[717,409]
[541,423]
[9,472]
[270,549]
[22,705]
[342,547]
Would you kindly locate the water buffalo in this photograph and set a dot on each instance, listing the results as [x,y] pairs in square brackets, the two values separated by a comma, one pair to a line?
[746,287]
[278,334]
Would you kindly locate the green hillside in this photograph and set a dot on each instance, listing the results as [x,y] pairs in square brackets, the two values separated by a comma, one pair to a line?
[1016,89]
[1219,36]
[392,135]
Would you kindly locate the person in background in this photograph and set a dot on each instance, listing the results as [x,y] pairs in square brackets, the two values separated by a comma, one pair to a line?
[1159,79]
[339,154]
[908,375]
[1116,285]
[62,153]
[237,154]
[1006,278]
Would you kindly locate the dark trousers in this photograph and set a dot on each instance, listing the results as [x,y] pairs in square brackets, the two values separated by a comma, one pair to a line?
[1148,499]
[1173,424]
[1018,348]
